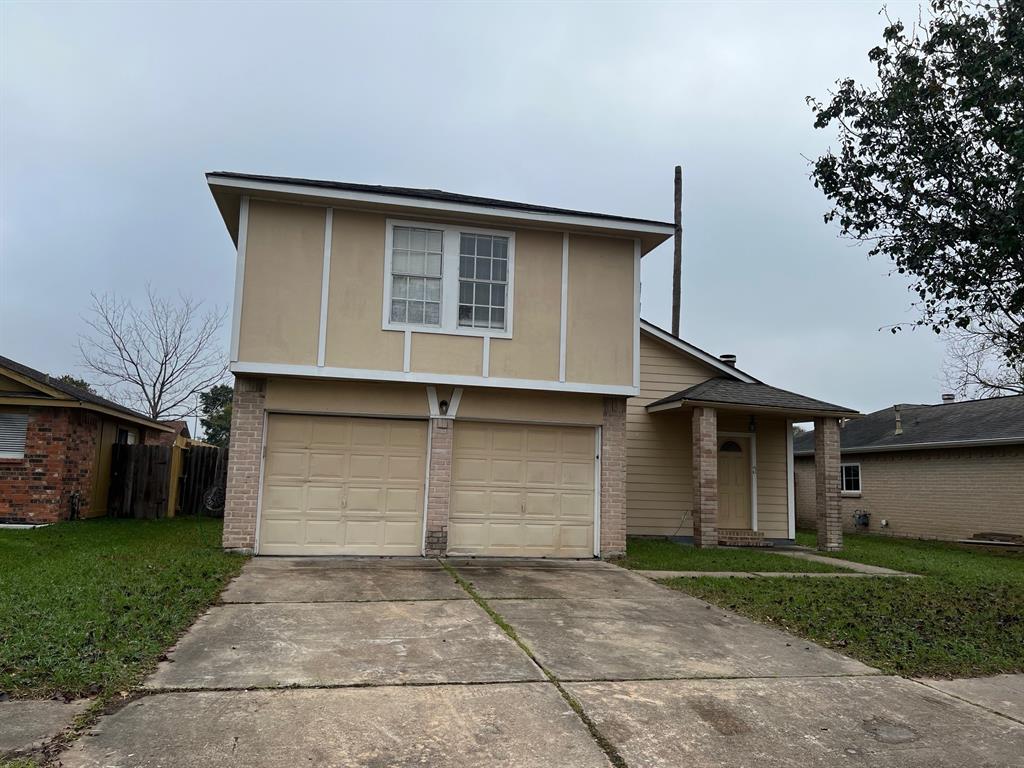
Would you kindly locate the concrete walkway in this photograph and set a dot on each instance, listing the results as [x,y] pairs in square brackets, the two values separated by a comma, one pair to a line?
[27,724]
[398,663]
[873,570]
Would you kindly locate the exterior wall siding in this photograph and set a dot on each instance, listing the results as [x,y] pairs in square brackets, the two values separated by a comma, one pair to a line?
[942,494]
[280,314]
[60,460]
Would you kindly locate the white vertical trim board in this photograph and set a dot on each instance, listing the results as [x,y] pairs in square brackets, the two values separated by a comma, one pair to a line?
[432,402]
[259,491]
[236,311]
[597,491]
[426,484]
[790,480]
[565,306]
[325,287]
[636,313]
[486,364]
[407,352]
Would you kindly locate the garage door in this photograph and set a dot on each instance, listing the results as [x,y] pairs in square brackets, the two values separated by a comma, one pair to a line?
[335,485]
[522,491]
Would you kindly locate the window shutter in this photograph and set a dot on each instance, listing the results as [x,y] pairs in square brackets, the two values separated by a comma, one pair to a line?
[13,427]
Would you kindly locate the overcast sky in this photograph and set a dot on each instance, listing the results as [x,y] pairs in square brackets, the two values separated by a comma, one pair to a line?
[112,113]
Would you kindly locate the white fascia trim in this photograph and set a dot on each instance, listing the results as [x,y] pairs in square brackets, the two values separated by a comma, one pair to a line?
[439,205]
[636,313]
[419,377]
[981,443]
[325,286]
[236,311]
[664,406]
[700,354]
[790,481]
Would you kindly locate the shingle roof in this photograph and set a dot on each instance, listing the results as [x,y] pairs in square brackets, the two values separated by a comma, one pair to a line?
[71,391]
[429,194]
[996,419]
[723,390]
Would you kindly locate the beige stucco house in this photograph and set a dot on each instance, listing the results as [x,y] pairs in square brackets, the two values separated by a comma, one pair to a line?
[951,471]
[420,372]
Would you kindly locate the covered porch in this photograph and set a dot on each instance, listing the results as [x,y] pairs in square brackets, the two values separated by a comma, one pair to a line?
[742,437]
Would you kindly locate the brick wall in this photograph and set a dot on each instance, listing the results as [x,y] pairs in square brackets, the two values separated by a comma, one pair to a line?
[705,477]
[940,494]
[60,454]
[439,495]
[245,453]
[613,477]
[826,485]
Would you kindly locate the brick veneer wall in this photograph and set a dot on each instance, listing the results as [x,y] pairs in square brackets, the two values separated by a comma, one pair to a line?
[442,433]
[705,477]
[826,485]
[944,494]
[613,477]
[245,451]
[60,455]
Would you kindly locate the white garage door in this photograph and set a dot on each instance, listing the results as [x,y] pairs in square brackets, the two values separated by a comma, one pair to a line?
[336,485]
[525,491]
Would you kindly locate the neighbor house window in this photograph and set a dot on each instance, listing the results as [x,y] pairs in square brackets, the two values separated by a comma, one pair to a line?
[13,428]
[448,279]
[850,478]
[483,278]
[416,276]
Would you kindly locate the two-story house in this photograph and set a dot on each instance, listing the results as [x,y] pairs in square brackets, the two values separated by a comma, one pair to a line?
[419,372]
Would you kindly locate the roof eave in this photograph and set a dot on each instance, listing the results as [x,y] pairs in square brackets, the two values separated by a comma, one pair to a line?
[931,446]
[746,408]
[224,188]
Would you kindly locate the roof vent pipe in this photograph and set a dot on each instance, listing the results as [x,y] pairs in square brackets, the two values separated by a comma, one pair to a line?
[729,360]
[899,421]
[949,397]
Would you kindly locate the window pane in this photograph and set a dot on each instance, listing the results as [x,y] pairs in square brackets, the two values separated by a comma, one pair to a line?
[402,237]
[483,269]
[499,270]
[467,245]
[465,292]
[400,262]
[497,318]
[480,317]
[466,266]
[433,265]
[400,287]
[482,293]
[497,295]
[415,311]
[397,311]
[434,241]
[419,240]
[433,290]
[432,314]
[483,246]
[465,315]
[501,247]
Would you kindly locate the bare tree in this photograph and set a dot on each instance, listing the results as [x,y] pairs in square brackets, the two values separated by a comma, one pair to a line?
[157,358]
[976,362]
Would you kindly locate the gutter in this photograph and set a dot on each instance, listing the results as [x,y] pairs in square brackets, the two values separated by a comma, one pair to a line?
[981,443]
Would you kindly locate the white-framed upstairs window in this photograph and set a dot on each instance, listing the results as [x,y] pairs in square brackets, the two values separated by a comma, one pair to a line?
[441,278]
[849,479]
[13,430]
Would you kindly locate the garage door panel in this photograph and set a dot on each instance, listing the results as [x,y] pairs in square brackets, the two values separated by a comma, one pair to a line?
[522,490]
[343,485]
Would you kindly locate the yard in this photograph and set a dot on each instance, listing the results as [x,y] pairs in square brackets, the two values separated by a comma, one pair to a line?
[87,608]
[964,618]
[668,555]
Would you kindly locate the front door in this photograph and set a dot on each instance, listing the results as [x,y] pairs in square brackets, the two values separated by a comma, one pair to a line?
[734,482]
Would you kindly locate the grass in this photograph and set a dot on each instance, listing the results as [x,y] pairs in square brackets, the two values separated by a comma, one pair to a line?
[87,608]
[964,618]
[668,555]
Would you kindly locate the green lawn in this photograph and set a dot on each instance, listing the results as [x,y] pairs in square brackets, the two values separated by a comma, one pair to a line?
[89,607]
[964,618]
[667,555]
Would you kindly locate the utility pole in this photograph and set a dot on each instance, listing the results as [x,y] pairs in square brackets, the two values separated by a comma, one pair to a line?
[677,259]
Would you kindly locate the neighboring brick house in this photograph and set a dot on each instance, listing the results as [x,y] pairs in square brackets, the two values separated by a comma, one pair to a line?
[55,446]
[421,372]
[949,471]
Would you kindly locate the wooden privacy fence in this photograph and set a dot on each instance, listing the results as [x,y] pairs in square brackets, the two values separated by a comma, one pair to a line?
[154,481]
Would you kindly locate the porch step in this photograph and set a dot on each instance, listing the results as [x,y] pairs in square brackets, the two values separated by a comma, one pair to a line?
[740,537]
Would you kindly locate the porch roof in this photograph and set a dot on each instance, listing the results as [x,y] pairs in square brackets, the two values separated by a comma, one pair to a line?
[729,394]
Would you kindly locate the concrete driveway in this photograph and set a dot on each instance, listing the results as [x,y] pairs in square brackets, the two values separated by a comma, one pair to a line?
[335,662]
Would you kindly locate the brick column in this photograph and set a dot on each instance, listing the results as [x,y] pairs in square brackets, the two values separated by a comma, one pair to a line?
[440,478]
[245,453]
[705,477]
[613,478]
[826,484]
